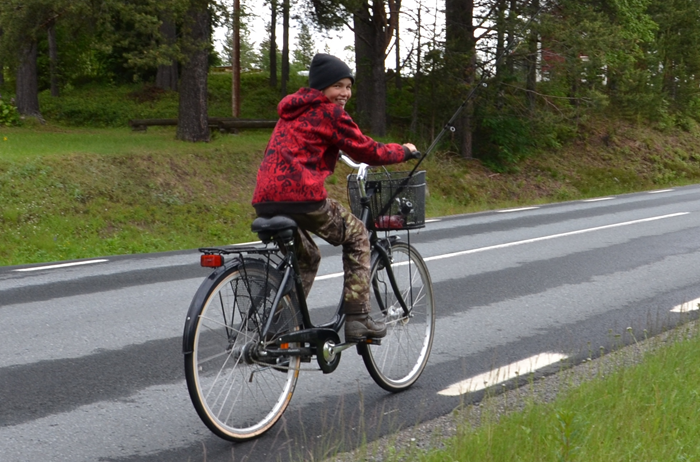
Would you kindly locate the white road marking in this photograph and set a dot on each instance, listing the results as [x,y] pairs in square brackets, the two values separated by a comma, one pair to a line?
[516,210]
[686,307]
[502,374]
[598,199]
[528,241]
[61,265]
[553,236]
[660,191]
[329,276]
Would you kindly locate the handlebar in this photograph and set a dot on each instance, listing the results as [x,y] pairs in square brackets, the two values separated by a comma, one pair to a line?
[361,167]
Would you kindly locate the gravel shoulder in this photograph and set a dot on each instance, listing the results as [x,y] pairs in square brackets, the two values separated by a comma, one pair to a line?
[433,434]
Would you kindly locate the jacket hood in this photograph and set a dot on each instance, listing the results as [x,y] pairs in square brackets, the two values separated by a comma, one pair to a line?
[292,106]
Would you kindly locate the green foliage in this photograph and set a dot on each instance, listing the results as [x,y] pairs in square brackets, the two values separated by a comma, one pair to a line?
[8,113]
[639,59]
[305,49]
[248,57]
[501,139]
[98,105]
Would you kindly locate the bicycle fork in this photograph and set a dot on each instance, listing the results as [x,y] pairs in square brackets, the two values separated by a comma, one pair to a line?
[383,254]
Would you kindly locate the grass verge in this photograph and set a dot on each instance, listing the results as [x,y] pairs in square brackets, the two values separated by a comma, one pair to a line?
[637,403]
[70,193]
[643,412]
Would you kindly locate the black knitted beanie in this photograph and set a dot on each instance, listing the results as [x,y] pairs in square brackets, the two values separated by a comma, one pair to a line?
[326,70]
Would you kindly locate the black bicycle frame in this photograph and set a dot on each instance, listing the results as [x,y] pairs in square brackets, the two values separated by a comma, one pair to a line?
[290,264]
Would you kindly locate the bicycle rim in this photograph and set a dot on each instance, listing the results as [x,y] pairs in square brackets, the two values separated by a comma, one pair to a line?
[403,354]
[238,393]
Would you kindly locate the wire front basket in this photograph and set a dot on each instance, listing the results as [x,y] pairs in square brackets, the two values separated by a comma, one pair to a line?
[402,196]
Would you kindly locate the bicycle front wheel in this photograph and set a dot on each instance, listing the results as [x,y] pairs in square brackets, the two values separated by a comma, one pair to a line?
[238,391]
[403,354]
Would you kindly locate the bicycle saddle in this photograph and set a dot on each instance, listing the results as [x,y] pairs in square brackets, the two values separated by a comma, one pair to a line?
[280,225]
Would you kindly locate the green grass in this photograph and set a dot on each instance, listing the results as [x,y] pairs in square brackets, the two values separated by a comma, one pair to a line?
[69,193]
[636,404]
[23,143]
[644,412]
[80,193]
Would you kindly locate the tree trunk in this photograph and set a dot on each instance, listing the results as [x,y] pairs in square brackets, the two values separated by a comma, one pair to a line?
[192,122]
[500,50]
[273,45]
[373,32]
[285,48]
[461,57]
[167,75]
[363,74]
[27,97]
[501,27]
[370,78]
[512,17]
[378,113]
[397,45]
[417,76]
[53,58]
[533,40]
[236,61]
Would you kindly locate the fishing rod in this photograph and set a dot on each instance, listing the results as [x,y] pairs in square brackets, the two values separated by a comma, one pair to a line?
[449,125]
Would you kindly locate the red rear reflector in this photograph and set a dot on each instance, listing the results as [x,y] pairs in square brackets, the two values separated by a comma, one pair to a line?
[212,261]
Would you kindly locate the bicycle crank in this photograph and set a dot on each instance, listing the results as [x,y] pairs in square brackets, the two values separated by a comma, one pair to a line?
[328,353]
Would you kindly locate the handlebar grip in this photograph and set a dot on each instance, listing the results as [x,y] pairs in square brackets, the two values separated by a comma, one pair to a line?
[414,155]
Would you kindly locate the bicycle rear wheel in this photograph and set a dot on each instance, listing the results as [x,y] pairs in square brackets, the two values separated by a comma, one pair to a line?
[238,391]
[403,354]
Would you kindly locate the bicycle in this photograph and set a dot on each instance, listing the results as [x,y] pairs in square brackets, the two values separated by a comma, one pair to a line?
[243,358]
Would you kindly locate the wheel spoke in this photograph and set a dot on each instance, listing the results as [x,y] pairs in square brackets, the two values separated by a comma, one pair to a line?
[399,360]
[236,396]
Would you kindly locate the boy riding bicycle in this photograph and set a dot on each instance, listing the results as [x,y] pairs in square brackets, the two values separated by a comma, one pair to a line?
[303,150]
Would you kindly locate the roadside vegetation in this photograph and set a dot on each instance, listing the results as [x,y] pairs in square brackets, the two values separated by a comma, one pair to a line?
[610,107]
[643,412]
[637,403]
[81,186]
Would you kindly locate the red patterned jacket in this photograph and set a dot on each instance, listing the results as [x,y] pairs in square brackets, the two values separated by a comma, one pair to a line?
[304,149]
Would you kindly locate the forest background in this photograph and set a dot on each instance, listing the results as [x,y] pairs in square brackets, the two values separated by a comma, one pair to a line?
[559,100]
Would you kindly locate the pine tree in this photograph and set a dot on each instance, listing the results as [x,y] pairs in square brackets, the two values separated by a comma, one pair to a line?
[305,48]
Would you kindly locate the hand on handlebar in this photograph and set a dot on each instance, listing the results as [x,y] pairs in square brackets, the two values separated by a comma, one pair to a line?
[412,152]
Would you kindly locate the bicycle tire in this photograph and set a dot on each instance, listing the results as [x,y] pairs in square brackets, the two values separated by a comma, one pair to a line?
[401,357]
[238,394]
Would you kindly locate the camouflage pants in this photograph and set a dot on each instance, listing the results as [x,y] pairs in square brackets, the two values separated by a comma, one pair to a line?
[337,226]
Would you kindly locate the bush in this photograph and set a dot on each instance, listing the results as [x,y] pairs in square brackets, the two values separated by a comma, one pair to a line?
[8,113]
[501,140]
[100,105]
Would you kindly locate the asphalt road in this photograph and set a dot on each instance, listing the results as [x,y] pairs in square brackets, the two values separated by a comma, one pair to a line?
[91,366]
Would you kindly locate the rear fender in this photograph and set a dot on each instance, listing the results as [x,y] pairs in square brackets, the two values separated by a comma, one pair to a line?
[198,301]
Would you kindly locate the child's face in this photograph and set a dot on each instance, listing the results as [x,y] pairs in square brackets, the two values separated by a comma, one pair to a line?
[340,92]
